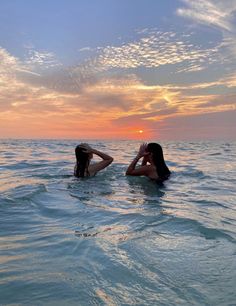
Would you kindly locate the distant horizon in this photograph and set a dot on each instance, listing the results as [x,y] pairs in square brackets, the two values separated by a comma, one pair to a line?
[123,139]
[72,69]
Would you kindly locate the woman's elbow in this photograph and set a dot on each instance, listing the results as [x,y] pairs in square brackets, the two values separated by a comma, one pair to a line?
[128,172]
[110,160]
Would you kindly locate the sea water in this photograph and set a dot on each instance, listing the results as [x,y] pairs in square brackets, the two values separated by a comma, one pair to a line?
[112,239]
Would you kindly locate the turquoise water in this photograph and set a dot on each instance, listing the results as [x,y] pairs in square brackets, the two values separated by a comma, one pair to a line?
[112,239]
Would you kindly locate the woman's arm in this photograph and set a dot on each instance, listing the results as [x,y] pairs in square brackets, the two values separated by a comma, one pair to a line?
[107,160]
[144,161]
[144,169]
[102,155]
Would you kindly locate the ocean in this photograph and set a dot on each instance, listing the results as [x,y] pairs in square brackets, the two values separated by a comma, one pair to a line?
[112,239]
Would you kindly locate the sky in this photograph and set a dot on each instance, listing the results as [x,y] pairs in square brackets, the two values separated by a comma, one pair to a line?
[118,69]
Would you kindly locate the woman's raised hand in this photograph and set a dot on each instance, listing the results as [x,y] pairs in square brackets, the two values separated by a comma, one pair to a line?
[142,150]
[86,147]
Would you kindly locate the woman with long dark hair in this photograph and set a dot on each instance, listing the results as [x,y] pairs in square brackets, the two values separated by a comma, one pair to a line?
[153,163]
[84,154]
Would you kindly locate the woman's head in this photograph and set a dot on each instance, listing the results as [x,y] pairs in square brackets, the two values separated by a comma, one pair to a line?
[82,161]
[156,155]
[155,149]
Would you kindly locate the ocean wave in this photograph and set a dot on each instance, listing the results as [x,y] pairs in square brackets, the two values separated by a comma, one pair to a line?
[24,192]
[188,226]
[25,165]
[208,203]
[215,154]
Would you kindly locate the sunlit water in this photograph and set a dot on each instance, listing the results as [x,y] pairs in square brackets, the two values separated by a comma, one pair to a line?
[112,239]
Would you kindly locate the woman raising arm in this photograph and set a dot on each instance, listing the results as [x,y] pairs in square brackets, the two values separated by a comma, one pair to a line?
[153,163]
[84,155]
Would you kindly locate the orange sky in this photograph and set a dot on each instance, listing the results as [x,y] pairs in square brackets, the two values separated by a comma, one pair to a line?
[168,83]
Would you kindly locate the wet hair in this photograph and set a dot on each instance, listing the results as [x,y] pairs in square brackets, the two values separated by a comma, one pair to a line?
[163,171]
[82,162]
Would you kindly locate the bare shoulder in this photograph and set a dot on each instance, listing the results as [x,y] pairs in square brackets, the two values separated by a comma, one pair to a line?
[152,172]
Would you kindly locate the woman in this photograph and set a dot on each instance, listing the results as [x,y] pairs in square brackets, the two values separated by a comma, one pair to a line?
[153,163]
[84,154]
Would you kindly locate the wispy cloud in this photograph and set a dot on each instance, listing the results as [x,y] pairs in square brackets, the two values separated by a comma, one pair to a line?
[15,93]
[85,49]
[217,13]
[30,99]
[8,62]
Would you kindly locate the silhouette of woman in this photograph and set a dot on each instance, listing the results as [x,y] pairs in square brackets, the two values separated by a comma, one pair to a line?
[153,163]
[84,154]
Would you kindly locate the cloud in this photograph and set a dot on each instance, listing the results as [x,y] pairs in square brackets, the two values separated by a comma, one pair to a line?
[119,95]
[144,117]
[8,63]
[16,94]
[43,59]
[155,49]
[72,90]
[152,49]
[103,102]
[214,125]
[229,80]
[85,49]
[217,13]
[221,100]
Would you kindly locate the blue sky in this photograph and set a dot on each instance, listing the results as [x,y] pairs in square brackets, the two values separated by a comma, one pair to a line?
[131,65]
[64,27]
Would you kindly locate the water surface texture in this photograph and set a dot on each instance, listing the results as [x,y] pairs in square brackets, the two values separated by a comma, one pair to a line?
[112,239]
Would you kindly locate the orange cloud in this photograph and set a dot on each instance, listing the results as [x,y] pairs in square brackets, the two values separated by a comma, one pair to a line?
[107,106]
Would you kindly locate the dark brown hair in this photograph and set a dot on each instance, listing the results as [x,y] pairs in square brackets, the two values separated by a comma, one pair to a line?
[163,171]
[82,162]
